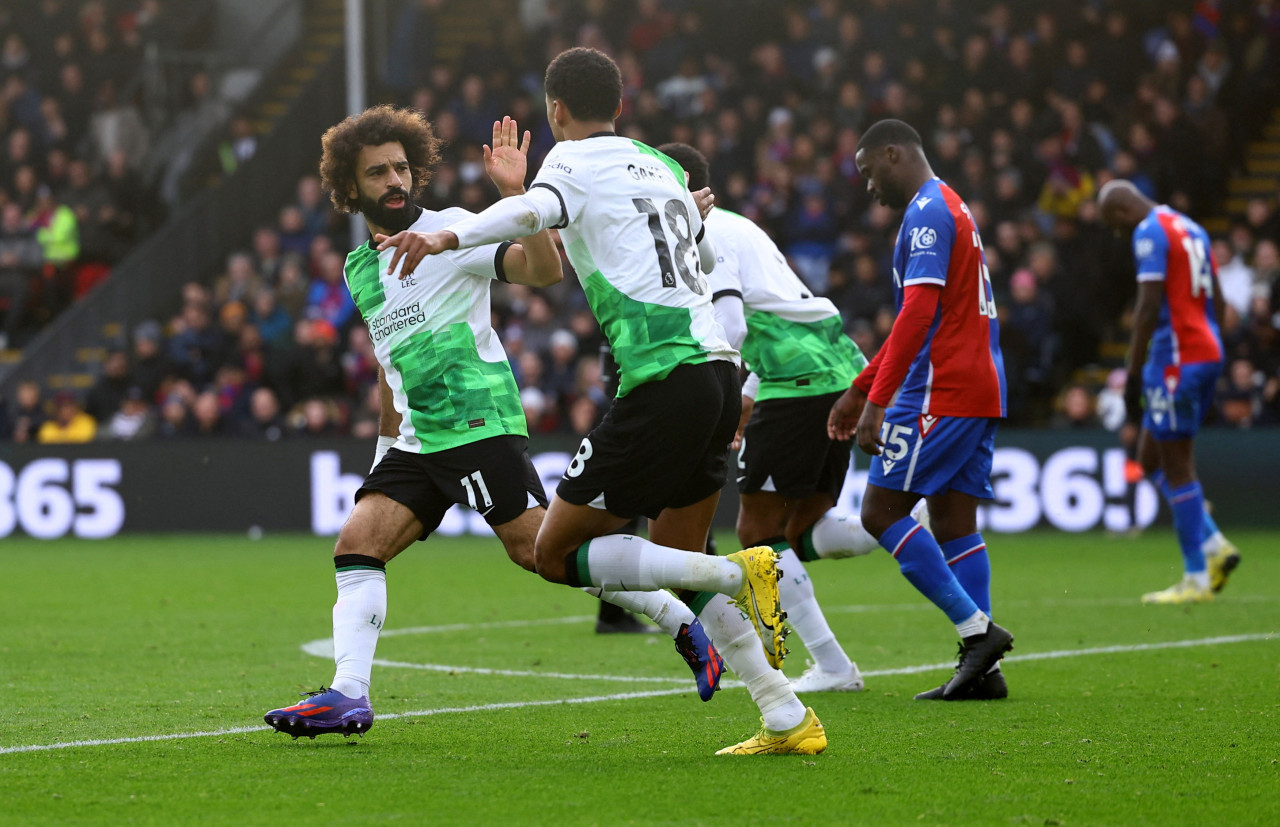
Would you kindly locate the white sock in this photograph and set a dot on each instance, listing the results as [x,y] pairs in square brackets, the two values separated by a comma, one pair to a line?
[976,624]
[1212,543]
[623,562]
[837,537]
[805,616]
[739,645]
[660,606]
[1200,578]
[357,619]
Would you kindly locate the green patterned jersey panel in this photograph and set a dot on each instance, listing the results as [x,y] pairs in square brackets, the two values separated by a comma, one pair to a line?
[648,341]
[800,358]
[363,280]
[454,396]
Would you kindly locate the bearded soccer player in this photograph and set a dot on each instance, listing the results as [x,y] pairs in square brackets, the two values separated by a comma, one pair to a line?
[1175,358]
[452,428]
[634,235]
[930,403]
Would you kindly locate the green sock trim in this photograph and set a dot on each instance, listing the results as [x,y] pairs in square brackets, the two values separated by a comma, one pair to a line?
[583,569]
[806,551]
[780,546]
[698,601]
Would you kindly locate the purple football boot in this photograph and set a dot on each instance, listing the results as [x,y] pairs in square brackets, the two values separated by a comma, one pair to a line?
[325,710]
[697,650]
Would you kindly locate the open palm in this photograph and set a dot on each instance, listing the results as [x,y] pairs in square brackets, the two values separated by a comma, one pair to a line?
[507,161]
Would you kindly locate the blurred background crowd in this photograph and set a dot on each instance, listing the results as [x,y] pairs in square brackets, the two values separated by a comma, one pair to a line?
[1025,109]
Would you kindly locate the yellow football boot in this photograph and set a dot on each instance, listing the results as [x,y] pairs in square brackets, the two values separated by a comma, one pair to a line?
[805,738]
[758,599]
[1222,562]
[1184,591]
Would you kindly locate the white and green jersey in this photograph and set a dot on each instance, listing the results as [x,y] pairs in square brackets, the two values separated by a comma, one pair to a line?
[795,340]
[431,333]
[630,228]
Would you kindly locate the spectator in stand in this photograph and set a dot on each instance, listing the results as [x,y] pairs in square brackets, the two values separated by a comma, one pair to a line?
[150,363]
[316,418]
[267,258]
[175,418]
[1076,409]
[28,413]
[264,422]
[1234,275]
[194,349]
[329,299]
[21,258]
[207,418]
[1241,400]
[241,281]
[292,229]
[69,423]
[104,398]
[272,321]
[133,421]
[1029,345]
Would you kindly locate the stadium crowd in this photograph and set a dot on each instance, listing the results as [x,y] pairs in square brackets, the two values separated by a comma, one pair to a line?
[72,139]
[1026,111]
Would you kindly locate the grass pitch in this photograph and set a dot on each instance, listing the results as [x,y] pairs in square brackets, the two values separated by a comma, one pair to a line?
[1119,713]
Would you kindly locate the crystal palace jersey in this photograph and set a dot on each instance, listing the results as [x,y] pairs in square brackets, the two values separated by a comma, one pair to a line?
[795,340]
[1171,248]
[448,373]
[959,370]
[631,229]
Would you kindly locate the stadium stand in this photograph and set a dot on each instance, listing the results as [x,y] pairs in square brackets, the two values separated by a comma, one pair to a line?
[1026,110]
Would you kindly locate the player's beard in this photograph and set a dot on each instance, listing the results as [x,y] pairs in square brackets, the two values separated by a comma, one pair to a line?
[391,219]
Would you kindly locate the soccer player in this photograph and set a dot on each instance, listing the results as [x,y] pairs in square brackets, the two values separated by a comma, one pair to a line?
[1175,358]
[452,428]
[930,402]
[634,235]
[790,471]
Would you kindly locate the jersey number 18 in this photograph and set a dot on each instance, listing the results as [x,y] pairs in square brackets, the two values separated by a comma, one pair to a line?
[677,216]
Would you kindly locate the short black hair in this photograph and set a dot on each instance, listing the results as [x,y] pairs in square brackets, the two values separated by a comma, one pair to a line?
[889,131]
[693,161]
[587,81]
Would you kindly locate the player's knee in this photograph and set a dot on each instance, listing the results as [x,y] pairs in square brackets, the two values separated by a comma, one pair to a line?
[549,561]
[522,554]
[876,520]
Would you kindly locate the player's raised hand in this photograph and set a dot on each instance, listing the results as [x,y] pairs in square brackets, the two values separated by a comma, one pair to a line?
[843,419]
[411,248]
[868,430]
[507,161]
[705,201]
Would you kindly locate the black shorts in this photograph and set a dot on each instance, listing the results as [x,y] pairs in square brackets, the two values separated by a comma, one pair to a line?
[785,449]
[494,476]
[663,445]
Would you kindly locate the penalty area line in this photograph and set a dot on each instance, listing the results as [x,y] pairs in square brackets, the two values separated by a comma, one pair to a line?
[654,693]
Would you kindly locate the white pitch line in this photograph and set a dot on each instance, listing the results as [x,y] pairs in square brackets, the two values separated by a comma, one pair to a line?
[521,673]
[624,696]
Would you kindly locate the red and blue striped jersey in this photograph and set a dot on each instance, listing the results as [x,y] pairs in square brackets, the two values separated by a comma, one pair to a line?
[959,370]
[1171,248]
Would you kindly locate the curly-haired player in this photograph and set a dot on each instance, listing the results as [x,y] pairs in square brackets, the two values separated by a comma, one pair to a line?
[452,427]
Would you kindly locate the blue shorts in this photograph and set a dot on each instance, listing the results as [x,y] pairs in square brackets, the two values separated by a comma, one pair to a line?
[931,455]
[1178,397]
